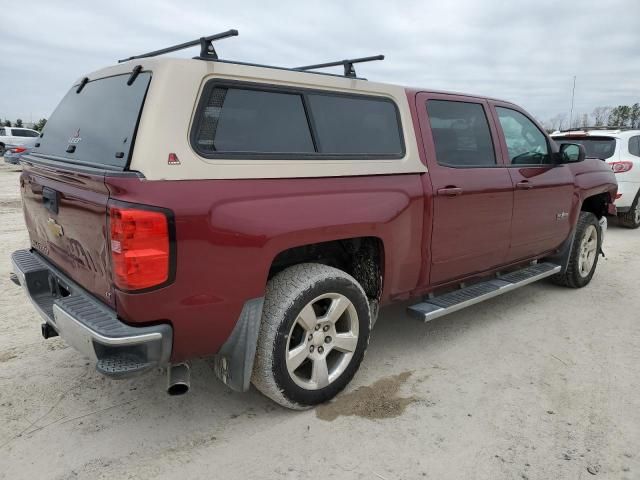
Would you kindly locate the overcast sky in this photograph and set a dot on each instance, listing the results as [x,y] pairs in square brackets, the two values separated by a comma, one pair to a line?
[523,51]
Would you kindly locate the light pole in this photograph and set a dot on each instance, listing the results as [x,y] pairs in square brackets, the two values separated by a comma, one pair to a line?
[573,95]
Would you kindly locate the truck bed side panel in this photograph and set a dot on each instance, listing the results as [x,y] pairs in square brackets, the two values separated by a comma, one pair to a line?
[229,231]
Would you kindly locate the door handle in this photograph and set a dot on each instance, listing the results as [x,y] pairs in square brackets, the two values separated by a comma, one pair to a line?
[524,185]
[450,191]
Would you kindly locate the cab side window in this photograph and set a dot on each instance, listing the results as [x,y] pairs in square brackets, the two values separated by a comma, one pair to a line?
[461,134]
[526,144]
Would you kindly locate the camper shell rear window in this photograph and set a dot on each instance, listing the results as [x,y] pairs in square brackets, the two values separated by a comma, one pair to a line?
[96,126]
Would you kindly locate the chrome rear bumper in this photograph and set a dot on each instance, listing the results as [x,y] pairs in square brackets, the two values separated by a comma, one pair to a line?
[87,324]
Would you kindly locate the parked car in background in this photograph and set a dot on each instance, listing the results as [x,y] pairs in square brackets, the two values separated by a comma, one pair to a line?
[620,148]
[14,136]
[13,153]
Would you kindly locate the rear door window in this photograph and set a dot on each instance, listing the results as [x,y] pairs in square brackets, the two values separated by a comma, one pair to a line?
[22,132]
[595,147]
[97,126]
[634,146]
[461,134]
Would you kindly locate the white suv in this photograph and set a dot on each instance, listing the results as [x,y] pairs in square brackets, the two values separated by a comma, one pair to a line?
[620,148]
[16,136]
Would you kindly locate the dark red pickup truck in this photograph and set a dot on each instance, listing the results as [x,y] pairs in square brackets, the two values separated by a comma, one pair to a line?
[190,208]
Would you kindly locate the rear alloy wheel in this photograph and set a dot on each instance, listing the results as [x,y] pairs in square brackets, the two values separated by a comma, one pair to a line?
[631,219]
[314,332]
[584,253]
[322,341]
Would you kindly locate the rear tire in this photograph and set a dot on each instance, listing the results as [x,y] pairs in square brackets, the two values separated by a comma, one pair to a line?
[314,332]
[585,251]
[2,150]
[631,219]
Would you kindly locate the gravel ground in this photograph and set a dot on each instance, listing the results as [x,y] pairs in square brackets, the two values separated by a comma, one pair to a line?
[541,383]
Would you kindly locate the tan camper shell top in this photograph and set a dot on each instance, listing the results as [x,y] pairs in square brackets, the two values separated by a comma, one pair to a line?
[170,111]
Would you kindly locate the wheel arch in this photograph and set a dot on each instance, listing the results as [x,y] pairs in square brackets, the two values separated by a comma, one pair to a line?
[598,204]
[362,257]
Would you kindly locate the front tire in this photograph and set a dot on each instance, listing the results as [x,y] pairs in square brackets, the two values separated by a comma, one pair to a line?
[314,332]
[584,253]
[631,219]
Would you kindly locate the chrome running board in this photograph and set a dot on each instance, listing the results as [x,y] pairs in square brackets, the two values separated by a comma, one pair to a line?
[434,307]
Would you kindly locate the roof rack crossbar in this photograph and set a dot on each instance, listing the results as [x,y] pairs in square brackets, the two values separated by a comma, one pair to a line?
[207,51]
[349,70]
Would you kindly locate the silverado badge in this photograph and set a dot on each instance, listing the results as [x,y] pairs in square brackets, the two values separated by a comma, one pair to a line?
[55,228]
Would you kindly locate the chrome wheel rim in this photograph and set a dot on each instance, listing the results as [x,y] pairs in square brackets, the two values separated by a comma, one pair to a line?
[588,251]
[637,212]
[322,341]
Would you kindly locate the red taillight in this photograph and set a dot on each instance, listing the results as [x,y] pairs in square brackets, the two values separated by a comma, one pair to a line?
[621,167]
[18,150]
[140,247]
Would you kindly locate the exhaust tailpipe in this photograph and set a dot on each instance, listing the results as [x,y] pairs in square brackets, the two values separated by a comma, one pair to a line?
[179,379]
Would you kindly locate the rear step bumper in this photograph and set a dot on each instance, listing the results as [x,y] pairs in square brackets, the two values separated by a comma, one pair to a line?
[435,307]
[88,325]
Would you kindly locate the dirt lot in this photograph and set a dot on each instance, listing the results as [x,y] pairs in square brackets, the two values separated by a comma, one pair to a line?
[538,384]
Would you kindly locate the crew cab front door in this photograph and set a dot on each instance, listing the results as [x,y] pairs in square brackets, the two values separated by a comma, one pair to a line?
[543,191]
[472,189]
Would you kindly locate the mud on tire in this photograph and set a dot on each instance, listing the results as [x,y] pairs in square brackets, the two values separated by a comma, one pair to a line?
[312,314]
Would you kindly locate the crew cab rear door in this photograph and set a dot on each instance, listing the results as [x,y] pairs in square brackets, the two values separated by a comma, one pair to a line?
[543,191]
[473,194]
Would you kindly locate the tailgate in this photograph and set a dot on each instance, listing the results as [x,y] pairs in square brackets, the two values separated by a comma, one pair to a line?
[89,136]
[66,216]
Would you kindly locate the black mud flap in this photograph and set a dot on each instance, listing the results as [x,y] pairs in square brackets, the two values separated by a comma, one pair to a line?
[234,362]
[564,252]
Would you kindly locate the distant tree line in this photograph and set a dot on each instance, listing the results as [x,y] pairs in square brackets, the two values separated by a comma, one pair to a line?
[620,116]
[18,123]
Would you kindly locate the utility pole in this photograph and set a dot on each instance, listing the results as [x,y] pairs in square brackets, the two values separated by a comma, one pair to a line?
[573,96]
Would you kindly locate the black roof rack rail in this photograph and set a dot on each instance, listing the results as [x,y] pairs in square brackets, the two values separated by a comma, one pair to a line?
[349,71]
[207,51]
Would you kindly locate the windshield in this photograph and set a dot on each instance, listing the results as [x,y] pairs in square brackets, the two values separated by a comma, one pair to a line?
[97,126]
[596,147]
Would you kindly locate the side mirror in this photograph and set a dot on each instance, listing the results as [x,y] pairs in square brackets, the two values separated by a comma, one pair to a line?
[572,153]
